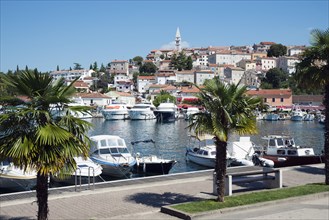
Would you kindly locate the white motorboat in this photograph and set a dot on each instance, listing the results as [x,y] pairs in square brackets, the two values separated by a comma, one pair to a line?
[190,111]
[202,151]
[166,112]
[242,153]
[271,117]
[111,152]
[297,115]
[142,111]
[115,112]
[153,164]
[309,117]
[15,178]
[86,169]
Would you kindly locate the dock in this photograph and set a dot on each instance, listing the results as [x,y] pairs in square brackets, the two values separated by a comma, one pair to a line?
[140,198]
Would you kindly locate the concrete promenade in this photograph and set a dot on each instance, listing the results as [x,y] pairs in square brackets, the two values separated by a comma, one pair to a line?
[143,198]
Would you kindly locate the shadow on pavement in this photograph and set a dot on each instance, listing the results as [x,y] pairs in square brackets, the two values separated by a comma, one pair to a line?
[311,170]
[4,217]
[159,200]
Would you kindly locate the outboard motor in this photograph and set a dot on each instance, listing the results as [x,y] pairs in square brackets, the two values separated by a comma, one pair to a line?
[259,161]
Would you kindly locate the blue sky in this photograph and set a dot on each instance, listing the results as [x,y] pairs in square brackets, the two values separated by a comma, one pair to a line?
[44,34]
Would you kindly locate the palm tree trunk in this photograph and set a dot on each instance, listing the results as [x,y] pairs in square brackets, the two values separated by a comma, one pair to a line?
[220,168]
[326,134]
[42,196]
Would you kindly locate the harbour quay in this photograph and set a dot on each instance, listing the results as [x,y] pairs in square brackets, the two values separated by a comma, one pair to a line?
[142,198]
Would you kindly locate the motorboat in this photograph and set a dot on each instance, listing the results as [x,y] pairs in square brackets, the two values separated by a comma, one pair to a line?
[115,111]
[111,152]
[271,117]
[166,112]
[202,151]
[242,153]
[86,169]
[190,111]
[152,164]
[283,151]
[297,115]
[142,111]
[14,178]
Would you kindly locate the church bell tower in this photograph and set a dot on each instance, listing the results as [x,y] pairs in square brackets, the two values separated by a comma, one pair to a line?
[178,40]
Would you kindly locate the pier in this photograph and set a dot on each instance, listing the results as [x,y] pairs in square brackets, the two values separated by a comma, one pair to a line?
[140,198]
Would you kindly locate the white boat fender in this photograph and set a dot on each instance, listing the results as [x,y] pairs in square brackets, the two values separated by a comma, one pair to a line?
[144,167]
[281,159]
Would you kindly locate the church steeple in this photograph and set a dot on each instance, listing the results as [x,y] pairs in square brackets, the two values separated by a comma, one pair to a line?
[178,40]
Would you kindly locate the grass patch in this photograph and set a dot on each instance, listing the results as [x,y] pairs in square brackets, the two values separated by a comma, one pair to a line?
[251,198]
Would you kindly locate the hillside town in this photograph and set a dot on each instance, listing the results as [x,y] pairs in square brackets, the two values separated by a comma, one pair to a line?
[232,64]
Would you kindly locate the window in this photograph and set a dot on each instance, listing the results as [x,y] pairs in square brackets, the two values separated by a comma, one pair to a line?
[273,99]
[281,99]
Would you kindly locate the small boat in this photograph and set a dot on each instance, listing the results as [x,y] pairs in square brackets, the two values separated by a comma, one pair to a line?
[190,111]
[86,169]
[297,115]
[166,112]
[115,111]
[204,153]
[283,151]
[271,117]
[111,152]
[13,178]
[142,111]
[152,164]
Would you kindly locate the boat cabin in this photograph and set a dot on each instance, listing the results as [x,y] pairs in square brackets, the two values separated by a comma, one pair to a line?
[285,146]
[108,145]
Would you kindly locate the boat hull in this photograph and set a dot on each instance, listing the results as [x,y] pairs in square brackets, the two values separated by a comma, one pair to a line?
[115,169]
[110,115]
[154,168]
[203,161]
[285,161]
[163,116]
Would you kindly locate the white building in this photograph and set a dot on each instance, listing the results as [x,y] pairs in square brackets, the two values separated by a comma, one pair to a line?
[287,64]
[233,74]
[267,63]
[120,70]
[202,75]
[185,76]
[70,75]
[296,50]
[228,57]
[247,64]
[143,83]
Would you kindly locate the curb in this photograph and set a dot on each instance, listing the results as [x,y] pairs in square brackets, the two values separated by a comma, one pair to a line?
[183,215]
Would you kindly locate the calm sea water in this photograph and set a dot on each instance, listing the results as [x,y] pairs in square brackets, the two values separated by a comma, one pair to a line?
[172,138]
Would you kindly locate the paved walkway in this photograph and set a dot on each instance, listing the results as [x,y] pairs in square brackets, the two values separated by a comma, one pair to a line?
[143,198]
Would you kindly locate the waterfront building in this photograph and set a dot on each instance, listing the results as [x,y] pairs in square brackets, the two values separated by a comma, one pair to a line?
[279,98]
[120,70]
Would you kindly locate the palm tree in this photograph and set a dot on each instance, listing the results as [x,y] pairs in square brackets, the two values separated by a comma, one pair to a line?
[313,72]
[227,109]
[33,138]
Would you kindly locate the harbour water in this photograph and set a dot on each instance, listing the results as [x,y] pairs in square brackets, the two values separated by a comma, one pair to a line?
[172,138]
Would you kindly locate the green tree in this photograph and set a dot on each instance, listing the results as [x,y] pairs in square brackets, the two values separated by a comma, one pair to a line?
[102,69]
[163,97]
[313,71]
[189,63]
[277,50]
[227,109]
[57,68]
[77,66]
[275,77]
[35,139]
[138,60]
[95,66]
[148,67]
[181,62]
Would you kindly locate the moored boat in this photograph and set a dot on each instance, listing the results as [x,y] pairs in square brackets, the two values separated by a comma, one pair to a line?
[115,111]
[283,151]
[166,112]
[14,178]
[142,111]
[152,163]
[111,152]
